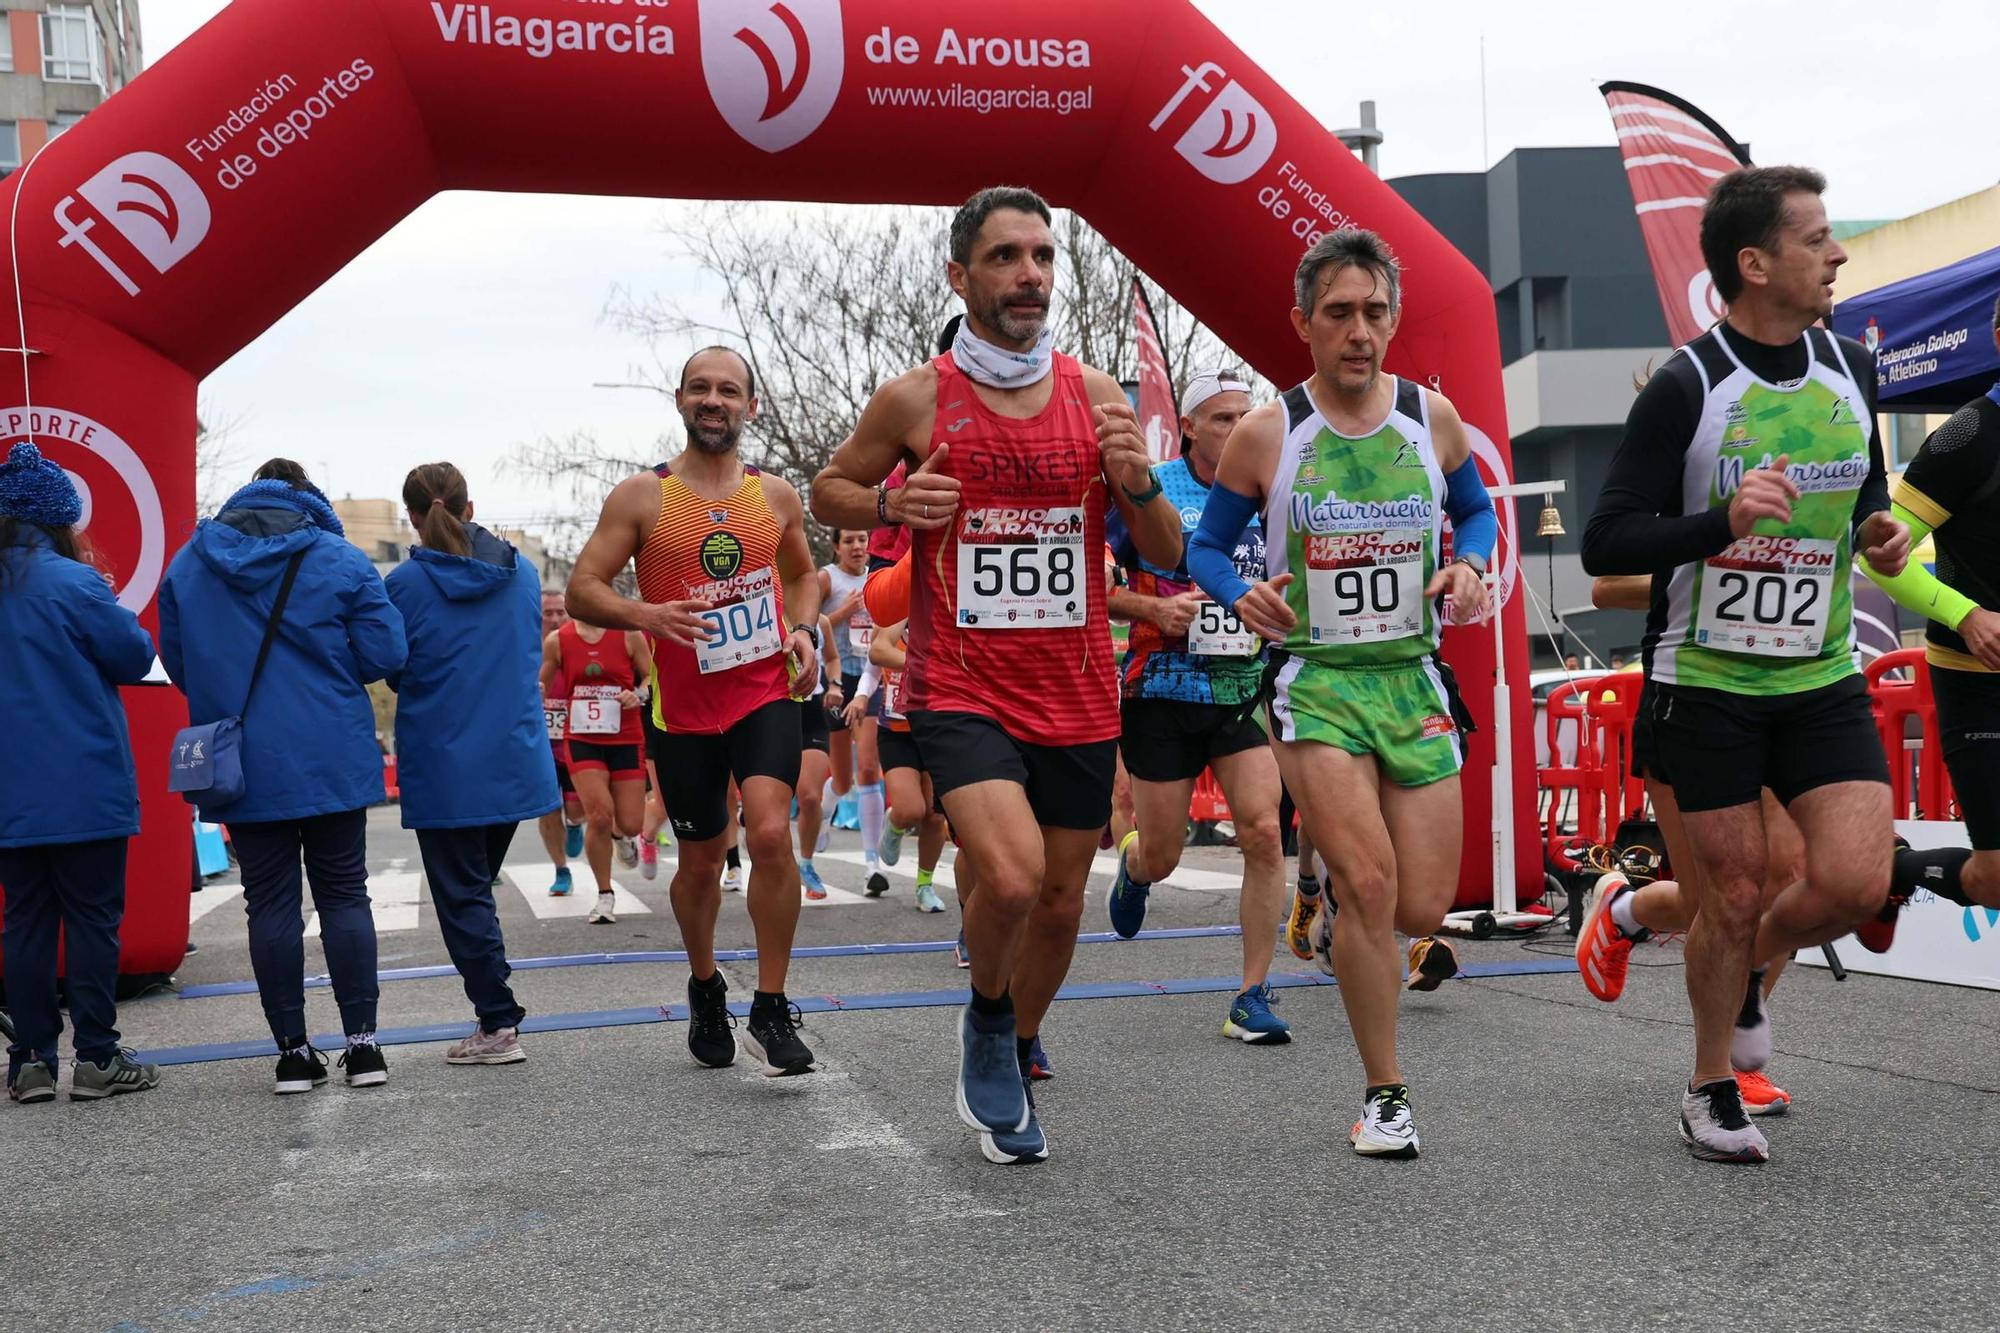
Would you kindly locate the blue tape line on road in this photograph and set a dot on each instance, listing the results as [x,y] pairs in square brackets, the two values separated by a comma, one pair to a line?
[815,1004]
[210,990]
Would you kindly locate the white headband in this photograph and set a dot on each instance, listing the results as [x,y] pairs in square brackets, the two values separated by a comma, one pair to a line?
[1207,385]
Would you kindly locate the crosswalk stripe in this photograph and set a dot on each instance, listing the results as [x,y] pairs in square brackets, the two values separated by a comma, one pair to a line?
[210,898]
[532,878]
[393,896]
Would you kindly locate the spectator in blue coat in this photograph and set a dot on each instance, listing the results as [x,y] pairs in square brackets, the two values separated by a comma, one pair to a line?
[68,798]
[311,765]
[472,748]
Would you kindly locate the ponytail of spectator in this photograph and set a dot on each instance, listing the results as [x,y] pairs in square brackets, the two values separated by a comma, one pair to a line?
[435,495]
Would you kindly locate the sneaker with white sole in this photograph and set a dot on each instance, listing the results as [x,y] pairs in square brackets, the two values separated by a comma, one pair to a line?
[711,1039]
[1023,1147]
[121,1074]
[628,852]
[772,1038]
[1760,1095]
[606,911]
[1322,941]
[364,1063]
[1385,1128]
[1750,1041]
[1715,1127]
[928,900]
[300,1069]
[649,859]
[33,1082]
[732,879]
[890,848]
[487,1048]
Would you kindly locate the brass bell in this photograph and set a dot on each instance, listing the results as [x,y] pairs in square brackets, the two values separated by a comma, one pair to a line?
[1552,519]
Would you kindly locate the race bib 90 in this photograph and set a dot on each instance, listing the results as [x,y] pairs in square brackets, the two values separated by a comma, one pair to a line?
[1365,587]
[1768,595]
[1023,569]
[741,631]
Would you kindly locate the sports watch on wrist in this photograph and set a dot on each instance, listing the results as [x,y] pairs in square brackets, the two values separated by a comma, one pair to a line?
[1146,496]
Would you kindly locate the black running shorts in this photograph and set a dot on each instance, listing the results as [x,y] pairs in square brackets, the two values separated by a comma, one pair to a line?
[1645,746]
[621,761]
[898,750]
[1068,786]
[1171,740]
[1720,748]
[1968,715]
[813,723]
[695,767]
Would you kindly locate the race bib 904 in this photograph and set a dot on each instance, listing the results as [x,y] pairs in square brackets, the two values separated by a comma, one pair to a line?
[740,631]
[1023,569]
[1768,595]
[1365,587]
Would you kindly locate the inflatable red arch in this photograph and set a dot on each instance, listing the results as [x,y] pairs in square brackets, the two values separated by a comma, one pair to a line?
[197,206]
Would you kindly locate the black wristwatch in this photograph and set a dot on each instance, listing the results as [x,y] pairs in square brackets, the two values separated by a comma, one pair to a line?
[812,630]
[1147,496]
[882,507]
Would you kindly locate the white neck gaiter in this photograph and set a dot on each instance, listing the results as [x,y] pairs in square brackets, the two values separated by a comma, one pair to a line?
[999,368]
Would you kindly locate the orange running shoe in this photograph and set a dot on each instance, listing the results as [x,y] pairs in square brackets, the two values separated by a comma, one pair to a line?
[1602,949]
[1760,1095]
[1432,962]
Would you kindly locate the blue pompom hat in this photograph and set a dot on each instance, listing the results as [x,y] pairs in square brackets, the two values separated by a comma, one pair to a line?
[35,490]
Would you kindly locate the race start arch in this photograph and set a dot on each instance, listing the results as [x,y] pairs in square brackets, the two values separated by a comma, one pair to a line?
[194,208]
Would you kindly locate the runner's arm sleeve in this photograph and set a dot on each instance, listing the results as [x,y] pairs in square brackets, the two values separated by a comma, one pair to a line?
[1211,552]
[1916,588]
[1475,527]
[871,680]
[1638,527]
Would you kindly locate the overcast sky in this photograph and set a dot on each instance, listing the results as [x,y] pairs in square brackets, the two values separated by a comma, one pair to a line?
[477,323]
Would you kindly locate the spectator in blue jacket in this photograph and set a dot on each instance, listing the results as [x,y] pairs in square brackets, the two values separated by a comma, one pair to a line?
[472,749]
[311,766]
[68,797]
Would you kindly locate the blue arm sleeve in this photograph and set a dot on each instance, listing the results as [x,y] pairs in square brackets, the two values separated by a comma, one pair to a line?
[1211,552]
[1475,527]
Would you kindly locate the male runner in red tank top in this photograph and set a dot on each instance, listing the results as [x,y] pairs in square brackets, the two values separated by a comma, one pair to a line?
[730,595]
[1015,451]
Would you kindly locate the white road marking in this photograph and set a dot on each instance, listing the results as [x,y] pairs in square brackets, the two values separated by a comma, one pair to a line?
[532,879]
[210,898]
[393,896]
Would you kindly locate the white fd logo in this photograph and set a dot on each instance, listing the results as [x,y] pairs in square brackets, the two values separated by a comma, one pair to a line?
[1233,136]
[151,202]
[773,66]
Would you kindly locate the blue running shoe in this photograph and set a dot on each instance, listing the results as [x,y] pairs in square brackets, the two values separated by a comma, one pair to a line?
[562,886]
[890,848]
[1128,896]
[959,953]
[572,840]
[1252,1022]
[1038,1067]
[992,1097]
[1025,1147]
[815,886]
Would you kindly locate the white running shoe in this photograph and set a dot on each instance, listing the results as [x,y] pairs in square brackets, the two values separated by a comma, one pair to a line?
[928,900]
[825,836]
[1322,937]
[1385,1128]
[604,913]
[1715,1127]
[628,851]
[732,879]
[1750,1041]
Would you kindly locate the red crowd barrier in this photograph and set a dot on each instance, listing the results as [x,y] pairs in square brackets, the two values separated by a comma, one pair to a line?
[1208,804]
[1596,791]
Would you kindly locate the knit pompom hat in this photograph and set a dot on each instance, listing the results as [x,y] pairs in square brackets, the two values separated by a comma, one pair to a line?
[35,490]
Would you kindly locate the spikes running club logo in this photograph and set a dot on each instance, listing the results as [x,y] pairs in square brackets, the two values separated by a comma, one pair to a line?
[773,66]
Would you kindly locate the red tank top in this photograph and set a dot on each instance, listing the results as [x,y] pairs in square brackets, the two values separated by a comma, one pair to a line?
[1007,607]
[598,671]
[724,552]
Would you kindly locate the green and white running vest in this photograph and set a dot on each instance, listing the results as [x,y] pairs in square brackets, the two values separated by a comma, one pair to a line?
[1774,612]
[1357,520]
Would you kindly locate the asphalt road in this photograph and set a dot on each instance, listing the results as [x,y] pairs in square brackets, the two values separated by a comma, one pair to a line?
[609,1183]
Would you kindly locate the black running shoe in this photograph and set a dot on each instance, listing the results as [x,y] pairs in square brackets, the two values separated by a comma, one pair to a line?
[364,1062]
[300,1069]
[710,1039]
[773,1038]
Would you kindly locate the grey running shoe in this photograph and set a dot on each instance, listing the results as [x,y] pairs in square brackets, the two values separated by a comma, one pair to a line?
[1715,1127]
[35,1082]
[1750,1042]
[487,1048]
[118,1075]
[628,852]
